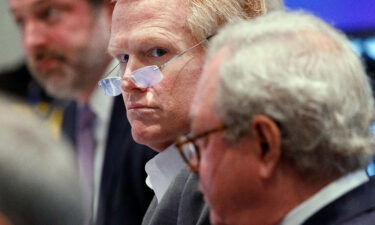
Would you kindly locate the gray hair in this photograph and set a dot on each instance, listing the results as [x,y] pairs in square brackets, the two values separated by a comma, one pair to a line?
[303,74]
[38,174]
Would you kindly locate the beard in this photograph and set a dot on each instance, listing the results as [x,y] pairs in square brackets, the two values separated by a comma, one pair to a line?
[62,76]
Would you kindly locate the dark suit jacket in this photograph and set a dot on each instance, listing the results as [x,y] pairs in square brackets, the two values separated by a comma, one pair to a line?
[124,196]
[356,207]
[182,204]
[19,83]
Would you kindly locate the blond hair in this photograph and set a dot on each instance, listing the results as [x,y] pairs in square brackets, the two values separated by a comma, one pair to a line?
[207,16]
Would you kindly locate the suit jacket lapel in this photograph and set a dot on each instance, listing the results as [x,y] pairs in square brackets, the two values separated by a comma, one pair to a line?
[193,209]
[166,211]
[352,204]
[181,204]
[150,211]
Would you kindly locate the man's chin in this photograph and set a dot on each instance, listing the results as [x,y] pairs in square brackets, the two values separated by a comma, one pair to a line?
[58,89]
[215,219]
[61,93]
[149,138]
[55,85]
[140,135]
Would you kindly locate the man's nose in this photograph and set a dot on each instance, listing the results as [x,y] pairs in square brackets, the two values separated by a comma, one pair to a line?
[34,36]
[128,84]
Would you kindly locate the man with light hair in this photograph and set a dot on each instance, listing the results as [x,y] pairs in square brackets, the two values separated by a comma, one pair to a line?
[160,47]
[280,126]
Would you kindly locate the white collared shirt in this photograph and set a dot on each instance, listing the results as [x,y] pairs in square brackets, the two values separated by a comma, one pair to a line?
[325,196]
[162,169]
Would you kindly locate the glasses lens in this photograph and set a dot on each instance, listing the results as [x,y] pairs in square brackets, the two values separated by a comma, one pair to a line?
[147,76]
[190,152]
[111,86]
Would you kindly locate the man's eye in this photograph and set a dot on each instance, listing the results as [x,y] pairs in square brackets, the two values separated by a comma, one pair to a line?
[124,58]
[158,52]
[50,14]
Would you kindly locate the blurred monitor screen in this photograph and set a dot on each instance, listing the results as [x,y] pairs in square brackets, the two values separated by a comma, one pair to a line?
[347,15]
[364,46]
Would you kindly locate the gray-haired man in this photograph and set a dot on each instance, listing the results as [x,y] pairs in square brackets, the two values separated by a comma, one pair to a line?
[281,126]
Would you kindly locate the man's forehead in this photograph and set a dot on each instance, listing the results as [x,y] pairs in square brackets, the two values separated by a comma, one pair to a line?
[18,6]
[145,20]
[177,8]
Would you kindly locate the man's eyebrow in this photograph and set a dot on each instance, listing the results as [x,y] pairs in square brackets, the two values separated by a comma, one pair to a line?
[119,43]
[33,5]
[37,3]
[115,48]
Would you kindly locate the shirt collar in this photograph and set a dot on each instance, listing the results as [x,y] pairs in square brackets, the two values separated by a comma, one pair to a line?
[101,104]
[162,169]
[325,196]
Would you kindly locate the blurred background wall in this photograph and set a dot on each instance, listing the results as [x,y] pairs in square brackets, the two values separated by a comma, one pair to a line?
[10,48]
[348,15]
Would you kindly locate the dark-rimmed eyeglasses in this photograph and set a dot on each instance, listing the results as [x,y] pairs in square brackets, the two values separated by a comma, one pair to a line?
[143,77]
[189,150]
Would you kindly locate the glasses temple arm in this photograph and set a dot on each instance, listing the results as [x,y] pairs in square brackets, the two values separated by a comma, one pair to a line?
[183,52]
[109,73]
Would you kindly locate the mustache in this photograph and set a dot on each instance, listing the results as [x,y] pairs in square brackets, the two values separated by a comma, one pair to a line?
[49,55]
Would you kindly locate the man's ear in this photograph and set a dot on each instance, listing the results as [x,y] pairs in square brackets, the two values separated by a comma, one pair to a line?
[266,134]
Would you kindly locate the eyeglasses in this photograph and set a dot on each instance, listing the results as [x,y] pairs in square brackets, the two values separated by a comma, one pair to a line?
[143,77]
[189,150]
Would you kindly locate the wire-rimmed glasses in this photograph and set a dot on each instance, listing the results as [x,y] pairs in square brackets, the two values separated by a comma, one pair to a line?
[143,77]
[189,150]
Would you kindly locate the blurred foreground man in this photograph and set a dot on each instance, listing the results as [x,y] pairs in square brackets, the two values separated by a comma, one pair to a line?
[65,42]
[281,123]
[39,182]
[159,45]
